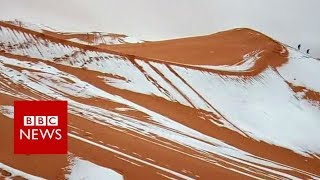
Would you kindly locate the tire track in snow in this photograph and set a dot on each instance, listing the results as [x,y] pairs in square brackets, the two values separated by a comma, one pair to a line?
[170,83]
[200,96]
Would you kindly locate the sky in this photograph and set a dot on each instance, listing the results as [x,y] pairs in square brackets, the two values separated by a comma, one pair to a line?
[292,22]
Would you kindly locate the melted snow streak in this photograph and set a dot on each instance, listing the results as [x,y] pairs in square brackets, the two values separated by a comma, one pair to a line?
[263,107]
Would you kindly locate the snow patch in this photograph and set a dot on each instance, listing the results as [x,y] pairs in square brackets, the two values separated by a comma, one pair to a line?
[248,62]
[82,169]
[7,111]
[301,70]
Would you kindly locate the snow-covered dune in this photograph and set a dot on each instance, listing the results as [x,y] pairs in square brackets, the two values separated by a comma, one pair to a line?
[137,117]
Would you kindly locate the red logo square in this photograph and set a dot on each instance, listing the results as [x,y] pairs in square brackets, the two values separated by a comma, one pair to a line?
[40,127]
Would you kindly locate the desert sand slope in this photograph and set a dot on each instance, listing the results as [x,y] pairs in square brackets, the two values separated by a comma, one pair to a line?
[224,48]
[251,109]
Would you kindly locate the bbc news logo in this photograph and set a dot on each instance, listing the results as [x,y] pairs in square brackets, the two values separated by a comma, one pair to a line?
[36,134]
[40,127]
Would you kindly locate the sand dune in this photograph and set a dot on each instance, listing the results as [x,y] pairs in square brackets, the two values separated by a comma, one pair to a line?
[236,104]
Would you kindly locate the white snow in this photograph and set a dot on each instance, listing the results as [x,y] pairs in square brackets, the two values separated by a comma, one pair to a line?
[28,45]
[162,84]
[135,80]
[104,38]
[248,62]
[184,88]
[7,111]
[28,25]
[301,70]
[264,107]
[101,38]
[131,77]
[130,39]
[130,157]
[79,41]
[123,109]
[82,169]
